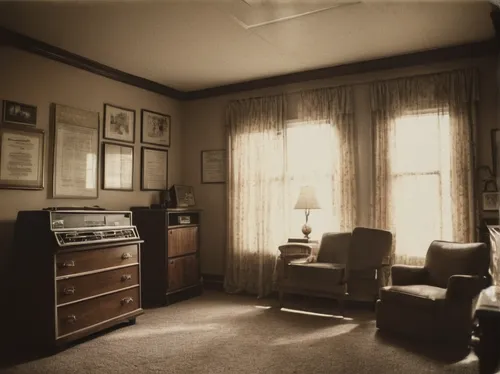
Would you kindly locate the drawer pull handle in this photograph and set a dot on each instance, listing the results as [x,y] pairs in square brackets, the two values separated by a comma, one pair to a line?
[126,256]
[69,290]
[68,264]
[127,300]
[126,277]
[71,318]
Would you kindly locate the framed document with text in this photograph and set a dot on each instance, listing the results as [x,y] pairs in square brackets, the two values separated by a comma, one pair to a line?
[154,169]
[117,167]
[76,152]
[21,158]
[213,166]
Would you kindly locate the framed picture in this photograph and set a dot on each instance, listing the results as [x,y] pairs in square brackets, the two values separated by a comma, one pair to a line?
[18,113]
[491,201]
[154,169]
[21,158]
[76,153]
[155,128]
[117,167]
[184,196]
[213,166]
[119,123]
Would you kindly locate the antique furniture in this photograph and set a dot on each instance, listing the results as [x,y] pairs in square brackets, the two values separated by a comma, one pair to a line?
[75,272]
[435,301]
[342,259]
[171,253]
[487,332]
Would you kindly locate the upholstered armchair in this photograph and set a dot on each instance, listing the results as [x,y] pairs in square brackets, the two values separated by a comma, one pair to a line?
[342,258]
[435,301]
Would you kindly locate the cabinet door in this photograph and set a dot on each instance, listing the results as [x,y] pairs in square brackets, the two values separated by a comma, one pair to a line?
[182,241]
[182,272]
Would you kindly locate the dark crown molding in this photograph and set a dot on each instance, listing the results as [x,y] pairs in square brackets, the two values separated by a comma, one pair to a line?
[14,39]
[478,49]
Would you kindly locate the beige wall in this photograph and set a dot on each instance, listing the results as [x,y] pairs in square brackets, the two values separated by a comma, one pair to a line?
[35,80]
[204,129]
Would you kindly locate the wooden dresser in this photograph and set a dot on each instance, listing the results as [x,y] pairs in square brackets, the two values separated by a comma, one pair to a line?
[171,253]
[73,281]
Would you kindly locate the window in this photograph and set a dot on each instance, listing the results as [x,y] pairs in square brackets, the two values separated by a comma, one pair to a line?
[420,185]
[311,159]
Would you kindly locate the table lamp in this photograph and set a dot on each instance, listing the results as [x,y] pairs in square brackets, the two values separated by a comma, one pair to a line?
[307,200]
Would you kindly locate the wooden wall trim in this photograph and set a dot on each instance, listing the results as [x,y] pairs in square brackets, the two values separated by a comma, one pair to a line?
[16,40]
[472,50]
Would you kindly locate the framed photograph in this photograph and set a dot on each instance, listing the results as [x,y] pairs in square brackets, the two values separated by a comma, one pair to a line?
[18,113]
[76,153]
[21,158]
[213,166]
[119,123]
[154,169]
[184,196]
[491,201]
[155,128]
[117,167]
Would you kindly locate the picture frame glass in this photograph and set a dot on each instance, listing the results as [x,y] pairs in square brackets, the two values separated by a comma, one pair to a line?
[154,169]
[21,158]
[155,128]
[119,123]
[118,167]
[213,166]
[18,113]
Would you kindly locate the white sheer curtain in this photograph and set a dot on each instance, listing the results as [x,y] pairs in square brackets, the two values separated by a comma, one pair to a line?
[423,139]
[255,193]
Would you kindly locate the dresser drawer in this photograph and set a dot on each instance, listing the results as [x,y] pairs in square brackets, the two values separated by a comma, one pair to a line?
[182,241]
[68,263]
[76,288]
[74,317]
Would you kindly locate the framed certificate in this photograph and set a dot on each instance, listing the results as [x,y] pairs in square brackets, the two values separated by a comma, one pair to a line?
[21,158]
[117,167]
[154,169]
[76,152]
[213,166]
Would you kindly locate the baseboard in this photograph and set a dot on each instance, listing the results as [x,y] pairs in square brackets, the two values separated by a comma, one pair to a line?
[213,281]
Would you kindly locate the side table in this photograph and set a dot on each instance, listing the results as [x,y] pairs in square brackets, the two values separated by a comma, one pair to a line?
[487,315]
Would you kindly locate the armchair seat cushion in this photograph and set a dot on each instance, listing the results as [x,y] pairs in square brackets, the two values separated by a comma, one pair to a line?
[321,276]
[417,295]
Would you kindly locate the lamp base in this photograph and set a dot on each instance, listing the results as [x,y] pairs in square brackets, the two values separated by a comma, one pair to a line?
[306,230]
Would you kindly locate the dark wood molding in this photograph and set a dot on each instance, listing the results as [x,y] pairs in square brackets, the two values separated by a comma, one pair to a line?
[16,40]
[478,49]
[472,50]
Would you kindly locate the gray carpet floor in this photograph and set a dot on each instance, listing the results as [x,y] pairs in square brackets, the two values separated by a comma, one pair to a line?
[220,333]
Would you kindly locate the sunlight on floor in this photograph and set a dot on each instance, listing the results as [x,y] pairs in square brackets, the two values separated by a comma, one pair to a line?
[160,330]
[263,306]
[328,332]
[316,314]
[467,360]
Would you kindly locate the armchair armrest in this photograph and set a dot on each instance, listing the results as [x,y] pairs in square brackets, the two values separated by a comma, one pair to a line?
[403,275]
[465,287]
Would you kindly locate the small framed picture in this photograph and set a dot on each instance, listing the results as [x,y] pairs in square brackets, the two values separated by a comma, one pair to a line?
[21,158]
[213,166]
[18,113]
[117,167]
[155,128]
[491,201]
[154,169]
[119,123]
[184,196]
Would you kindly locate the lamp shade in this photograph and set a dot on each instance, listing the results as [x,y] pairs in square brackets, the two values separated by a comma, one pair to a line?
[307,199]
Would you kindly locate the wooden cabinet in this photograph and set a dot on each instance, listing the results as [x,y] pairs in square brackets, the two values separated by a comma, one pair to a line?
[171,252]
[61,294]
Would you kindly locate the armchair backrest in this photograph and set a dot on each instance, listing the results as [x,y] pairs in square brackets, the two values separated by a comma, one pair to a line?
[334,247]
[370,248]
[445,259]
